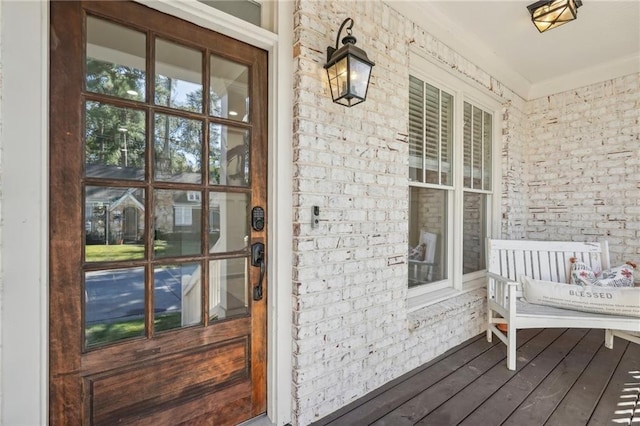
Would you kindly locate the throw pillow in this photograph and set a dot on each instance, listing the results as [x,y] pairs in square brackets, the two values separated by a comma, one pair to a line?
[417,252]
[620,276]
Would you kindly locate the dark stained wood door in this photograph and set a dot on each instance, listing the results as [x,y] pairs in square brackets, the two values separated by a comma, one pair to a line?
[157,133]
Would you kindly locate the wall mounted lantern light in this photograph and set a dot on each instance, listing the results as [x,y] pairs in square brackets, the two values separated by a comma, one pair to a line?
[348,69]
[548,14]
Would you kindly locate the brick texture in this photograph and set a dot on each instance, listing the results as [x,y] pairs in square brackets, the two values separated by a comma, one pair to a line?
[582,171]
[352,331]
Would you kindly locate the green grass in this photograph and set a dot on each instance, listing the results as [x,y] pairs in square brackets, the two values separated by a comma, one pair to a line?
[104,253]
[99,334]
[111,253]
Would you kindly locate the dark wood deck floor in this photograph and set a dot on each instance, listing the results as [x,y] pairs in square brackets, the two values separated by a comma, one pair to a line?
[563,377]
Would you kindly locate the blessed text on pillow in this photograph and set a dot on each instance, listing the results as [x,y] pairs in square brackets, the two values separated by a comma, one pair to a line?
[621,301]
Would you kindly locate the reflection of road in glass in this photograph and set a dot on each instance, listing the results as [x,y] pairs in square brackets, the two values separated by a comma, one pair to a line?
[118,294]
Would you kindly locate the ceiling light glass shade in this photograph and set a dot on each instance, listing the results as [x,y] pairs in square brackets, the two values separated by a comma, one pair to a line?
[548,14]
[349,70]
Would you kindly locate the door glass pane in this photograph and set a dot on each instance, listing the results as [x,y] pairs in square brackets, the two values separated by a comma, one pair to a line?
[228,288]
[177,296]
[114,141]
[113,223]
[229,89]
[115,60]
[177,223]
[228,222]
[428,216]
[114,305]
[474,232]
[177,149]
[228,155]
[178,76]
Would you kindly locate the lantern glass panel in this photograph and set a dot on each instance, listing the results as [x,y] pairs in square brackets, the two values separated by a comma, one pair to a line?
[337,74]
[333,81]
[341,77]
[359,77]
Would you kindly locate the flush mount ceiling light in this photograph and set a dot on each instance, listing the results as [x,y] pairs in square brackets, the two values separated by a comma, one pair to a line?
[548,14]
[348,69]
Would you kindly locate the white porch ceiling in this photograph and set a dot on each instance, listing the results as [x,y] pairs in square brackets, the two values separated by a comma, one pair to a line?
[498,36]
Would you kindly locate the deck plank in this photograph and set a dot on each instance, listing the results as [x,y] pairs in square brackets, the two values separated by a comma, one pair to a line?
[438,394]
[563,377]
[578,405]
[410,385]
[505,400]
[540,404]
[620,398]
[455,410]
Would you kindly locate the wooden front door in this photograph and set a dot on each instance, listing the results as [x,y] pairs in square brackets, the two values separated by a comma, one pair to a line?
[157,133]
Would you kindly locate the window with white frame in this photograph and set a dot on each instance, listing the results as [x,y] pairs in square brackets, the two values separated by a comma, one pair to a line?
[431,177]
[182,215]
[452,206]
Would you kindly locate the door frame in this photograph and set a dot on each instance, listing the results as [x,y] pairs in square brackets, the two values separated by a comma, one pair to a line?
[24,112]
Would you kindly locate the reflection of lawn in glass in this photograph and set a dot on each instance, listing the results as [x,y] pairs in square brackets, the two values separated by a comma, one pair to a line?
[98,334]
[162,248]
[104,253]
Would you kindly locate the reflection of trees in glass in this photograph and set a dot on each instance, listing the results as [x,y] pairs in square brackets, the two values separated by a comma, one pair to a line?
[116,80]
[114,136]
[215,144]
[174,93]
[178,146]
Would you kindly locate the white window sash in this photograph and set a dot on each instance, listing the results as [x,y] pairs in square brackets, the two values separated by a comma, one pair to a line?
[437,75]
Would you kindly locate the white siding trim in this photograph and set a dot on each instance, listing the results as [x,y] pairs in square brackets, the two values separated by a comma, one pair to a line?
[25,112]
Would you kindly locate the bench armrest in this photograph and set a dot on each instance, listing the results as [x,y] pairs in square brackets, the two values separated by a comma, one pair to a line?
[502,291]
[500,278]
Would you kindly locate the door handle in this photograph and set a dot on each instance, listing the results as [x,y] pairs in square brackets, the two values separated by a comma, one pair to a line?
[257,259]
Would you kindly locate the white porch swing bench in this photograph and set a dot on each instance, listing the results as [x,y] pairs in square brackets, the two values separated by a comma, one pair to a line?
[507,260]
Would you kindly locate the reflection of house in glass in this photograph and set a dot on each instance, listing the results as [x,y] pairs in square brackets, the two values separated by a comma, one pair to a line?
[114,215]
[178,217]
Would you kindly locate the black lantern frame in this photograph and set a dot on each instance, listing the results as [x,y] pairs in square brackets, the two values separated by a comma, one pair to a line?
[348,69]
[549,14]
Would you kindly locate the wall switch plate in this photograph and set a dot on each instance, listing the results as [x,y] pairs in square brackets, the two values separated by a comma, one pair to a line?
[315,216]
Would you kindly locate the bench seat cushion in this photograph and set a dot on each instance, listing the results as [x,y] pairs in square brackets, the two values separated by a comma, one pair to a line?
[621,301]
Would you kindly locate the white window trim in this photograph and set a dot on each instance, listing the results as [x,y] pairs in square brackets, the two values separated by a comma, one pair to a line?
[439,75]
[182,215]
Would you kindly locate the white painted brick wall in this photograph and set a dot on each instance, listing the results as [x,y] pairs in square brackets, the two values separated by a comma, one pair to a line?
[583,166]
[514,191]
[351,328]
[352,332]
